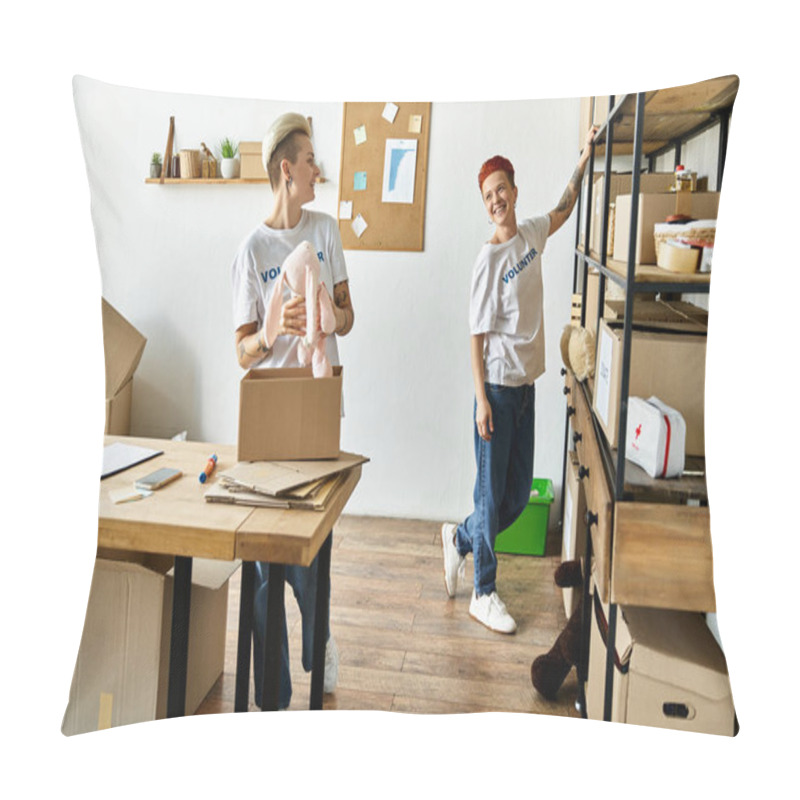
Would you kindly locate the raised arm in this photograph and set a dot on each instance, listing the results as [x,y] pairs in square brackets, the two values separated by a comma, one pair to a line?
[560,214]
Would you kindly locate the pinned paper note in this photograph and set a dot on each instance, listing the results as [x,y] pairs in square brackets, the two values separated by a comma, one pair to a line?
[360,181]
[361,134]
[389,112]
[359,225]
[415,123]
[399,169]
[346,209]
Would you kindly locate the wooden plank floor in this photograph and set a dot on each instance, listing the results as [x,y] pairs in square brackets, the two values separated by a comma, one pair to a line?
[404,645]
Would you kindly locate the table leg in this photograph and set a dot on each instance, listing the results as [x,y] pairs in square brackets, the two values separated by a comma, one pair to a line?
[320,622]
[247,591]
[272,640]
[179,641]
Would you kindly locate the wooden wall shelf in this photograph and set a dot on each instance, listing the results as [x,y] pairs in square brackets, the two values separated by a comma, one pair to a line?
[216,180]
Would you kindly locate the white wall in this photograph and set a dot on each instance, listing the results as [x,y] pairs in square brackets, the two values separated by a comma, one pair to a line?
[165,255]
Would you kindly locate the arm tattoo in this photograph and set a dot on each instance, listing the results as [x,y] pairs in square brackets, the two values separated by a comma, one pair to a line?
[261,348]
[571,192]
[341,296]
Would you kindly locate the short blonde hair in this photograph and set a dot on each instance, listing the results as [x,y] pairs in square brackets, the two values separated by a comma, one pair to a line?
[280,142]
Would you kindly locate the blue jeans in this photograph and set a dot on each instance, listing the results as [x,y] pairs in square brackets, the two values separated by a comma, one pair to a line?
[303,581]
[504,478]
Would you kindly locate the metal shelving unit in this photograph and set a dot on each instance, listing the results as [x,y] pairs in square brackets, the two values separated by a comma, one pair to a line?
[650,125]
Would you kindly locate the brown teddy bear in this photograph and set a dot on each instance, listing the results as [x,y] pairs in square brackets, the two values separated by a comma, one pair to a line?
[549,670]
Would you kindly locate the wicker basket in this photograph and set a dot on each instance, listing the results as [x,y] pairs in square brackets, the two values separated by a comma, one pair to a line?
[699,232]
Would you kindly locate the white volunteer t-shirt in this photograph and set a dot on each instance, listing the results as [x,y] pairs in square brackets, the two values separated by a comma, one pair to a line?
[256,272]
[506,304]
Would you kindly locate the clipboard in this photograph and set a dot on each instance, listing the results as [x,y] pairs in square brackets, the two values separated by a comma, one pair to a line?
[118,457]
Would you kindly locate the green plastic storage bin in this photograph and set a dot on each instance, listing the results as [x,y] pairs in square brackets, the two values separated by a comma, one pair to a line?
[527,536]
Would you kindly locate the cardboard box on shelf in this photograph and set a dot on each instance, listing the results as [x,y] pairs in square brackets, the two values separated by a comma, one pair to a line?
[121,674]
[250,163]
[614,299]
[653,209]
[592,287]
[669,364]
[669,671]
[123,347]
[620,184]
[573,534]
[287,414]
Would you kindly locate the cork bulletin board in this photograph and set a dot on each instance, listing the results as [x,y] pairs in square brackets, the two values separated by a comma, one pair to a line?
[383,175]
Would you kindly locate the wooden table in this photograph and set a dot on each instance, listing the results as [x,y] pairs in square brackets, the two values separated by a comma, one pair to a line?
[176,520]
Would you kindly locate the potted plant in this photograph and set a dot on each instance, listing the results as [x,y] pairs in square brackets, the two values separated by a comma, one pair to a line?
[155,165]
[228,165]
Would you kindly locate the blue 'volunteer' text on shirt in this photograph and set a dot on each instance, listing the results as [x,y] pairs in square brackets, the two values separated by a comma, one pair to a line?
[273,272]
[519,266]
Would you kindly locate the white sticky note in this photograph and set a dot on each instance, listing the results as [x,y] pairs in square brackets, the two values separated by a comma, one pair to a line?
[128,495]
[415,123]
[361,134]
[389,112]
[359,225]
[346,209]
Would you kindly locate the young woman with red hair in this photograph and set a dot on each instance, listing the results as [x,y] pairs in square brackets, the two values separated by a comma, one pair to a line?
[507,355]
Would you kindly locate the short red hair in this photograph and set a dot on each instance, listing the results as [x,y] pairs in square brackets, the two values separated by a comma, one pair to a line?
[495,164]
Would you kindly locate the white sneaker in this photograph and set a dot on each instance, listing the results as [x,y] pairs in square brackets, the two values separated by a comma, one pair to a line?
[491,611]
[331,675]
[454,563]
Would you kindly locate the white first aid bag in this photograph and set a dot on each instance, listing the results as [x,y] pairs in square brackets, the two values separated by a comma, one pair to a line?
[656,437]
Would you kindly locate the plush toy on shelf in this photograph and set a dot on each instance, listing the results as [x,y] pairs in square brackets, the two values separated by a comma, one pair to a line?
[300,272]
[578,351]
[550,670]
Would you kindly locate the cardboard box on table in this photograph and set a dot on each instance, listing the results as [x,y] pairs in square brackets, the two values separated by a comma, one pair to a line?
[121,675]
[669,671]
[123,346]
[655,208]
[287,414]
[669,364]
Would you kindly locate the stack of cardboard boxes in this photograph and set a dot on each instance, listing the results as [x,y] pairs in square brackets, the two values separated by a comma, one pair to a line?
[123,346]
[121,671]
[121,674]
